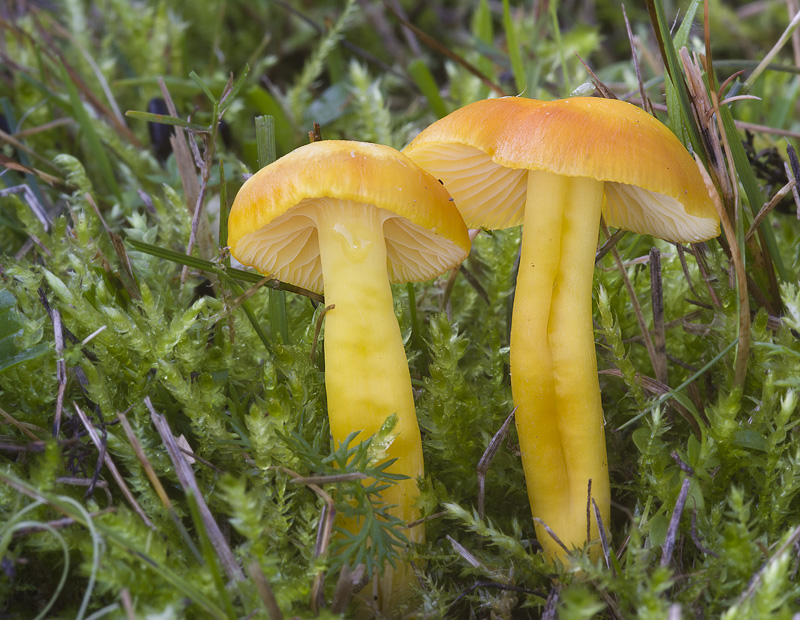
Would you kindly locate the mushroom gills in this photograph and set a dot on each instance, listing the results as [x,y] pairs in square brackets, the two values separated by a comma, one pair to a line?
[488,195]
[288,247]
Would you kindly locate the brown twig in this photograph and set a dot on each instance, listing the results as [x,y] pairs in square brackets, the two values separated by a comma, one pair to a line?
[318,329]
[487,458]
[448,53]
[768,207]
[743,346]
[648,105]
[61,370]
[106,458]
[186,477]
[659,330]
[637,309]
[674,523]
[264,591]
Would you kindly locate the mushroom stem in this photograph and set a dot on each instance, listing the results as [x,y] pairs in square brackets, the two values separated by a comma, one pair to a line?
[366,369]
[553,364]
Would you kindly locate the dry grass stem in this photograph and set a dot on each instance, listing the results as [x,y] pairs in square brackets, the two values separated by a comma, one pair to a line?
[648,342]
[790,541]
[264,591]
[61,370]
[23,427]
[658,389]
[488,457]
[646,103]
[186,477]
[448,53]
[743,346]
[464,553]
[552,534]
[610,243]
[674,523]
[356,475]
[318,329]
[602,90]
[659,330]
[127,604]
[145,463]
[769,206]
[601,529]
[349,582]
[106,458]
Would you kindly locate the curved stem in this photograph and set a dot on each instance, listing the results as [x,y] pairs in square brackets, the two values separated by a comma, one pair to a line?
[366,370]
[553,365]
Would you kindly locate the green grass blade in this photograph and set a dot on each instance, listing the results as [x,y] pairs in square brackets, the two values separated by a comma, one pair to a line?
[235,88]
[681,37]
[514,54]
[165,120]
[423,78]
[203,86]
[754,196]
[665,397]
[265,144]
[96,150]
[670,57]
[167,574]
[265,140]
[204,265]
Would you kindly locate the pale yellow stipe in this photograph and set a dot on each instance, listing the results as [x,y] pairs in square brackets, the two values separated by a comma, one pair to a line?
[553,366]
[366,371]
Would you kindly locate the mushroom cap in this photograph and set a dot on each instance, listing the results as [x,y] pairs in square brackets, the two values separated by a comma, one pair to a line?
[270,226]
[482,151]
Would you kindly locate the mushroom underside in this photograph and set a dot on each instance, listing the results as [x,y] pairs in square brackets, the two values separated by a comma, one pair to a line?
[288,246]
[493,196]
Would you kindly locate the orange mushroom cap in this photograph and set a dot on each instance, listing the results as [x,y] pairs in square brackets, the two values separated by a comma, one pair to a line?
[269,230]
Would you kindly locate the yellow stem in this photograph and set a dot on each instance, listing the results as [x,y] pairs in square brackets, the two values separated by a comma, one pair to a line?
[553,365]
[366,370]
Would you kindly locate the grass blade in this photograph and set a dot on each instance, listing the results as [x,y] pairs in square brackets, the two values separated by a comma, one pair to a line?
[423,78]
[166,120]
[96,150]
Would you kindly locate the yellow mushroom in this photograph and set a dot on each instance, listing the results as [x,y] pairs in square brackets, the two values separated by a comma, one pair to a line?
[347,219]
[554,167]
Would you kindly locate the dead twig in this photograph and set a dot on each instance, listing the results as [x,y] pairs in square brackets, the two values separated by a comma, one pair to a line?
[186,477]
[674,523]
[106,459]
[487,458]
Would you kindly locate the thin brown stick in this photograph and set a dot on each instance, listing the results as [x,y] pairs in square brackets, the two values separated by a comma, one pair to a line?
[61,369]
[186,477]
[659,330]
[113,468]
[318,329]
[21,426]
[743,346]
[637,309]
[674,523]
[145,463]
[685,268]
[264,591]
[768,207]
[648,105]
[448,53]
[487,458]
